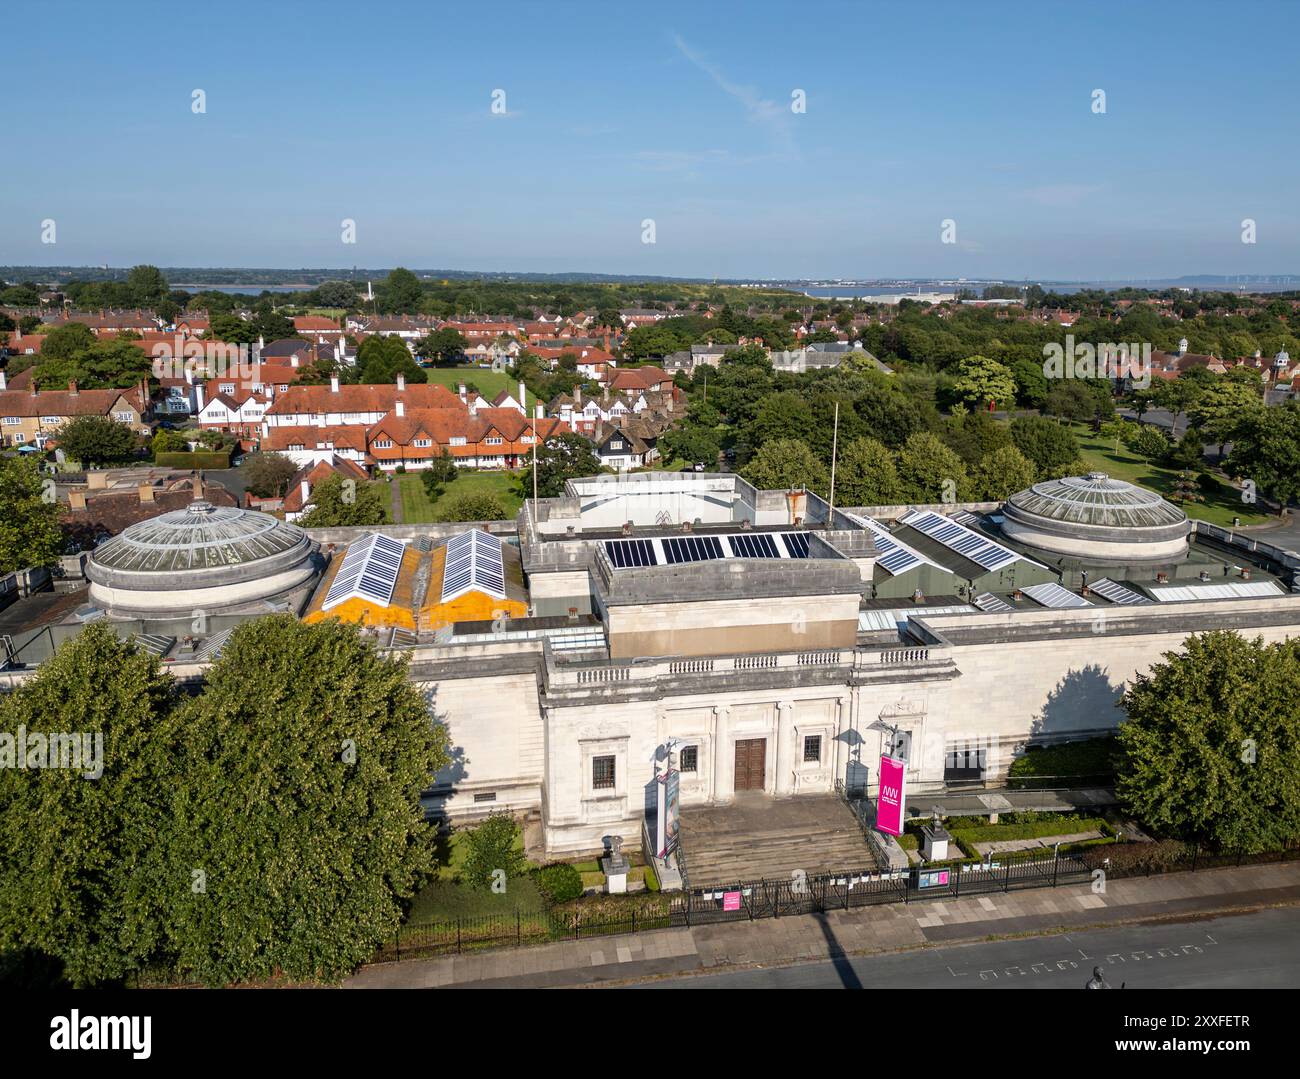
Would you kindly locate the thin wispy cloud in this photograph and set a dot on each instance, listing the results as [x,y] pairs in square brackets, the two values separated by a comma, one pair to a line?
[1061,194]
[774,117]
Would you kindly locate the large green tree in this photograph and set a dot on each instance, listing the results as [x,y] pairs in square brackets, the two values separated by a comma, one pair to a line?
[981,381]
[787,463]
[1223,407]
[1048,445]
[147,285]
[866,475]
[382,359]
[67,341]
[299,830]
[81,863]
[337,502]
[1001,474]
[929,472]
[1211,741]
[267,474]
[96,440]
[29,525]
[400,292]
[560,458]
[443,348]
[1266,451]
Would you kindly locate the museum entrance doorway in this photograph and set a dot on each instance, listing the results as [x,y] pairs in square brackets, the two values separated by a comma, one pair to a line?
[751,763]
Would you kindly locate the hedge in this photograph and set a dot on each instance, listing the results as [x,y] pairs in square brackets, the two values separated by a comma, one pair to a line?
[559,883]
[201,459]
[1094,756]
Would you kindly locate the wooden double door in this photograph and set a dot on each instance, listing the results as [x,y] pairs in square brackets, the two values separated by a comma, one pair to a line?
[751,763]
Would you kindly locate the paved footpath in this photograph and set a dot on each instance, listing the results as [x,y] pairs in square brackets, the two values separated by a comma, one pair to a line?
[864,931]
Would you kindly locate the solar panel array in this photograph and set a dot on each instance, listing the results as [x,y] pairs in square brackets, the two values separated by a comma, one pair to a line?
[474,564]
[675,550]
[1117,593]
[369,571]
[987,601]
[895,556]
[692,549]
[971,545]
[1053,595]
[1229,590]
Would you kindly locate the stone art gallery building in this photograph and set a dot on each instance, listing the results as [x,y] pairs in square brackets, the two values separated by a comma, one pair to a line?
[770,641]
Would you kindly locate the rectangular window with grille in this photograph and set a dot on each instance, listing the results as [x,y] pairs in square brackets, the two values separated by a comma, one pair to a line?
[602,773]
[812,749]
[490,797]
[690,758]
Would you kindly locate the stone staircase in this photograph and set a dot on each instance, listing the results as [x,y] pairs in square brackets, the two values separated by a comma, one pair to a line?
[758,837]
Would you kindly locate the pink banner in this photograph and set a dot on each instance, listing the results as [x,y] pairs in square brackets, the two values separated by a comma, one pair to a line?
[889,804]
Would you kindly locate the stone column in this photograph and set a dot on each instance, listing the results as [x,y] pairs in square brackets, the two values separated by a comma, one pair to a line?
[841,744]
[724,759]
[785,749]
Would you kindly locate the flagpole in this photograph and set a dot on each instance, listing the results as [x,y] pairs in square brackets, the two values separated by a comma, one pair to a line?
[835,445]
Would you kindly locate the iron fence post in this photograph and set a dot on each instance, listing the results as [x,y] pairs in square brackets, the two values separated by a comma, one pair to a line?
[1056,861]
[458,935]
[1006,886]
[519,929]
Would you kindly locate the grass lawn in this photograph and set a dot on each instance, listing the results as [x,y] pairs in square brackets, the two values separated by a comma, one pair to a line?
[1100,454]
[445,897]
[418,509]
[489,382]
[443,900]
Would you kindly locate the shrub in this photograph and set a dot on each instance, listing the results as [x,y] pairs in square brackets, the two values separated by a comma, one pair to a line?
[1149,442]
[558,883]
[193,460]
[493,846]
[472,506]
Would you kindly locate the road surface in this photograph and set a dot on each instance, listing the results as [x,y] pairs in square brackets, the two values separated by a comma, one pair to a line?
[1249,951]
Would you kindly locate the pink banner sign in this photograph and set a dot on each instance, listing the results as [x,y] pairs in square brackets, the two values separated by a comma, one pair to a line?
[889,803]
[730,900]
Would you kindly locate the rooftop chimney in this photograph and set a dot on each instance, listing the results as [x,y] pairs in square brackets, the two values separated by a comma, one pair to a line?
[4,382]
[146,492]
[401,408]
[461,391]
[334,383]
[304,488]
[523,398]
[401,383]
[77,500]
[72,387]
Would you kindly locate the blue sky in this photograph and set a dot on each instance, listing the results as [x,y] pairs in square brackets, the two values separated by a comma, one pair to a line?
[381,113]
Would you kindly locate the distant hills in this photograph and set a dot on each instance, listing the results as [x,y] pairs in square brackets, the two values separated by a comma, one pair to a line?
[307,277]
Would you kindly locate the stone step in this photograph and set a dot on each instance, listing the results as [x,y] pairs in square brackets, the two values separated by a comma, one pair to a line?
[770,839]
